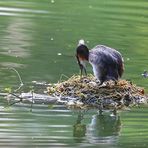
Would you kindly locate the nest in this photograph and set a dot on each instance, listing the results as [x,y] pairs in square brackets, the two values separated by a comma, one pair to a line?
[86,92]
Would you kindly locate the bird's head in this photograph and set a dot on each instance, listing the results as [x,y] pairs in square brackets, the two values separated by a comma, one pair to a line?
[82,54]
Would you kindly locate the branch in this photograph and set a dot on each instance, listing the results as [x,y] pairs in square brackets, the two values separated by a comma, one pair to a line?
[20,79]
[21,99]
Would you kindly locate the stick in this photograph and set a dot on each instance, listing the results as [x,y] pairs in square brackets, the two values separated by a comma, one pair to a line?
[62,75]
[16,96]
[20,79]
[21,99]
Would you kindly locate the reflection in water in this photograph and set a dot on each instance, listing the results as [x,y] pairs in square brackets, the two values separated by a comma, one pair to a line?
[8,9]
[79,130]
[17,38]
[56,126]
[103,129]
[44,28]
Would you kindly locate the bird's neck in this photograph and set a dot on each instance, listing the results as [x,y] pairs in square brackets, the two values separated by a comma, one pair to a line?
[83,58]
[86,56]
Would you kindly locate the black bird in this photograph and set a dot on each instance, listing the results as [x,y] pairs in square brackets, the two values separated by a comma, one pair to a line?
[107,63]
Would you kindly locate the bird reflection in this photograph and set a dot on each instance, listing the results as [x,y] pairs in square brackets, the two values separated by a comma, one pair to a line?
[102,129]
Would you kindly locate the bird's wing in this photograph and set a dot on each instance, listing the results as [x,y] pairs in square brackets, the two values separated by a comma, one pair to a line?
[102,54]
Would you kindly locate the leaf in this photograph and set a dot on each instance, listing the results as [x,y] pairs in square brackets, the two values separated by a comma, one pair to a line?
[8,89]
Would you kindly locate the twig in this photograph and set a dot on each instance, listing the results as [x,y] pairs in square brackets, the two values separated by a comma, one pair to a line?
[16,96]
[21,99]
[20,79]
[15,102]
[62,75]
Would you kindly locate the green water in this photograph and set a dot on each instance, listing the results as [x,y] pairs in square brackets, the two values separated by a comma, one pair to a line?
[39,38]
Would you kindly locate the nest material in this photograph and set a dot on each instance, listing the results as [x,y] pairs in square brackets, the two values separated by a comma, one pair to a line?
[86,92]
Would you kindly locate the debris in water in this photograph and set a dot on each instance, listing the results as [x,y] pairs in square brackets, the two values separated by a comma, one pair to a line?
[128,59]
[59,54]
[145,74]
[90,6]
[52,1]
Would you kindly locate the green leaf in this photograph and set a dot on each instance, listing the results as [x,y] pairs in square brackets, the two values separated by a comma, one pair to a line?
[8,89]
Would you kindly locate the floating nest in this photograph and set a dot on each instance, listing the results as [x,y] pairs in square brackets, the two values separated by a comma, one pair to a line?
[85,92]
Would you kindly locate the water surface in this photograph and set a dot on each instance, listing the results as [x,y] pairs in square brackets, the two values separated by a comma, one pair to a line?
[38,39]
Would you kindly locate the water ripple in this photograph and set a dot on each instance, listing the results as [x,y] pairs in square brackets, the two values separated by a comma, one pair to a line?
[9,9]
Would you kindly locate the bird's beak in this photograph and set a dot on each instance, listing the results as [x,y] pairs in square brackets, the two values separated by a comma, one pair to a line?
[82,67]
